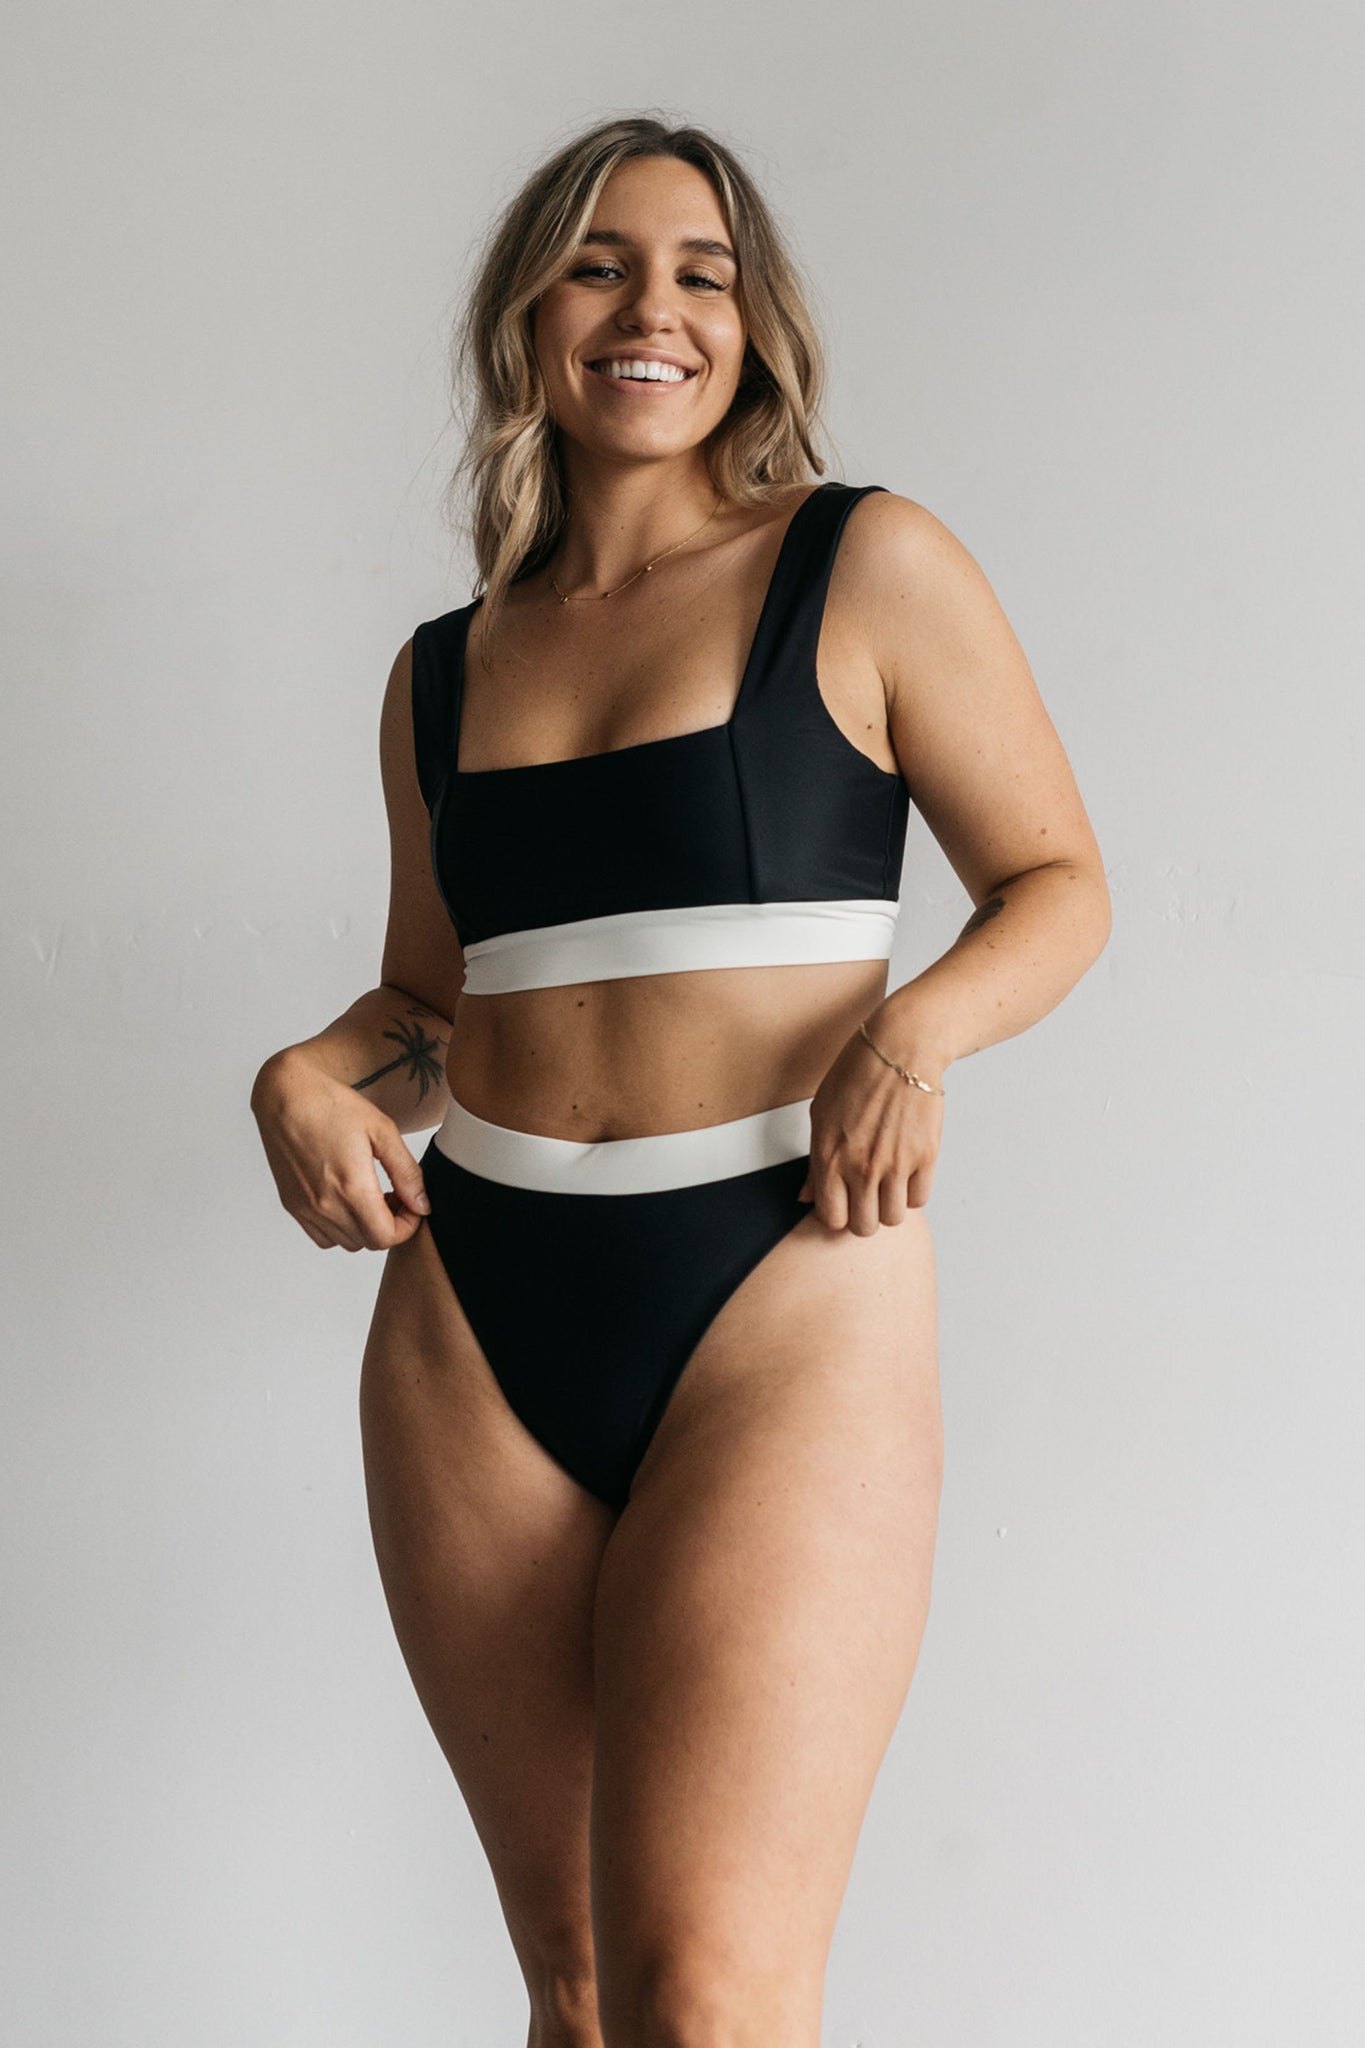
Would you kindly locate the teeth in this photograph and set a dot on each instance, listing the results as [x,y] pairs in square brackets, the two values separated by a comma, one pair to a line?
[652,372]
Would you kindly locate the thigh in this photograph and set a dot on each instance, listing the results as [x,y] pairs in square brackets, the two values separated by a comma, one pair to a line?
[759,1613]
[488,1553]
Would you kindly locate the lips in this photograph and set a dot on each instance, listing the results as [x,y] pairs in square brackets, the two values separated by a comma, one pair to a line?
[673,382]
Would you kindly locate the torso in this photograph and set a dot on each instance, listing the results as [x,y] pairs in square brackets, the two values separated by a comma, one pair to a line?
[661,1052]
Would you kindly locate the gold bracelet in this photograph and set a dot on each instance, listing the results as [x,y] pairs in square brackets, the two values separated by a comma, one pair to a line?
[927,1086]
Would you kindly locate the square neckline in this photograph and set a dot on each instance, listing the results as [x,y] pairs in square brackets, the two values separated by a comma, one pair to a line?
[636,746]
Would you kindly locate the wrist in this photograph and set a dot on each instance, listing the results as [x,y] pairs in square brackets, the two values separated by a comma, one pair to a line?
[283,1071]
[909,1040]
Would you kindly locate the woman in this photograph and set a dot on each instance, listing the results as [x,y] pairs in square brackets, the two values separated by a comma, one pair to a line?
[650,1406]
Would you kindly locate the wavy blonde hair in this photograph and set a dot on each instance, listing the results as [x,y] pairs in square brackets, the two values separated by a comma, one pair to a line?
[510,466]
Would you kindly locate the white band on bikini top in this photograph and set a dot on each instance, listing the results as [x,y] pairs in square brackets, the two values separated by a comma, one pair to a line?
[624,1166]
[634,942]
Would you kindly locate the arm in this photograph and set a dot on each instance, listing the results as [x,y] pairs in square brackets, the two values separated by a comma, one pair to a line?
[332,1104]
[987,772]
[387,1046]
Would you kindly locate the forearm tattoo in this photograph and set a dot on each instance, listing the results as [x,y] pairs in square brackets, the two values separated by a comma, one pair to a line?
[423,1055]
[983,914]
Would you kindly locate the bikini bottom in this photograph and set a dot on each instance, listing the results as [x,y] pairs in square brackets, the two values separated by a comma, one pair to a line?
[589,1271]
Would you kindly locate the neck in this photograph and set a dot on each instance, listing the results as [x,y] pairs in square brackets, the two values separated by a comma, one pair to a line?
[622,516]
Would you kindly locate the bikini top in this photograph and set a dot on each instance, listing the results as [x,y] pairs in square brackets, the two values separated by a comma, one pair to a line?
[770,840]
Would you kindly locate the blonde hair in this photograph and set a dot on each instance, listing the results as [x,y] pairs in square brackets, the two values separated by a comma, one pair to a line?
[510,463]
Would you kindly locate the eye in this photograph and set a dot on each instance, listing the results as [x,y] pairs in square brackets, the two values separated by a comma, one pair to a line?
[714,284]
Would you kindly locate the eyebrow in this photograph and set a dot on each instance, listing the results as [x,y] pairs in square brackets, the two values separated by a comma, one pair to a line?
[698,245]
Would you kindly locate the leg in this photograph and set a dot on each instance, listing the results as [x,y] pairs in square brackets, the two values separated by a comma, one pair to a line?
[488,1553]
[759,1612]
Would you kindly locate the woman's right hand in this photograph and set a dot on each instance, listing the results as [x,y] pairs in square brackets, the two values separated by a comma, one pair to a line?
[321,1140]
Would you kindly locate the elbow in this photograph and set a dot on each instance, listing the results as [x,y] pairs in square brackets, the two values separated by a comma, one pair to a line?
[1101,912]
[1092,908]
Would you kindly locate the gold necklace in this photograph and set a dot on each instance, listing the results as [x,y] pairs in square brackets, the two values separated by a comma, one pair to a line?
[565,599]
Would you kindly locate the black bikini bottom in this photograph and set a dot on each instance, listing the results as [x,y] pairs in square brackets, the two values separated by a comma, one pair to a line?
[590,1271]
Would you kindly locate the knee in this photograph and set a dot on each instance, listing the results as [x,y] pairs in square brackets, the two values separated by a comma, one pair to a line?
[682,2000]
[564,2001]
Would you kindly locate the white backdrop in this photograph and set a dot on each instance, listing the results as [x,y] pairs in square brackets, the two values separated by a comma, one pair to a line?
[1090,277]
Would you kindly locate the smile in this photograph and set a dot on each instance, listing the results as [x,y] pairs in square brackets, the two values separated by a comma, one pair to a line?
[637,375]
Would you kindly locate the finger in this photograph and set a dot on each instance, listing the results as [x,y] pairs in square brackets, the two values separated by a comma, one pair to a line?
[334,1239]
[384,1224]
[831,1201]
[862,1204]
[317,1226]
[405,1225]
[892,1205]
[339,1209]
[367,1219]
[374,1223]
[817,1184]
[402,1169]
[343,1234]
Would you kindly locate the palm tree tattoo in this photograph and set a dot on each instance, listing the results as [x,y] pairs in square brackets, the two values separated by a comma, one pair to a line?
[419,1056]
[983,915]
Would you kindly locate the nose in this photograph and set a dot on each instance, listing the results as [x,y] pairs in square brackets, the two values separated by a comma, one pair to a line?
[649,308]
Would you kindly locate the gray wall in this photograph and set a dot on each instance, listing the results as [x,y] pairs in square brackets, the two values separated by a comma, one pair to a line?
[1091,280]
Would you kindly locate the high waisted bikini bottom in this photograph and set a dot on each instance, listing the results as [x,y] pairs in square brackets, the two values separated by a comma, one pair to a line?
[590,1271]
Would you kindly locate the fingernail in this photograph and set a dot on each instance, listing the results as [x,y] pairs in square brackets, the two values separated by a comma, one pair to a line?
[422,1200]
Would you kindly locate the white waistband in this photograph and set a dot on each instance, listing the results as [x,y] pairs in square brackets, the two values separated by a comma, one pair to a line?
[632,942]
[624,1166]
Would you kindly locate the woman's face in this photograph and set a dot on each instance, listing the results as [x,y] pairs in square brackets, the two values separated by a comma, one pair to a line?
[635,290]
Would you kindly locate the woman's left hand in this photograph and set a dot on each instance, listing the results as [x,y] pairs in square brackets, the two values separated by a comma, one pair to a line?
[874,1138]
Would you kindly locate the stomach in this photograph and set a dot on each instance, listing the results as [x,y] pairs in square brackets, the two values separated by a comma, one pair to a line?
[664,1052]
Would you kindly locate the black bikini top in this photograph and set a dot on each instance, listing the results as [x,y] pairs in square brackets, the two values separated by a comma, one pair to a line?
[770,840]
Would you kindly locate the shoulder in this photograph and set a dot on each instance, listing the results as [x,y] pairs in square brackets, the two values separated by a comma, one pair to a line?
[912,581]
[435,650]
[431,632]
[890,537]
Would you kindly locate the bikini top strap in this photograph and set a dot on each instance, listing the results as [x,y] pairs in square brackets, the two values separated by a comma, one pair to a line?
[789,630]
[437,677]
